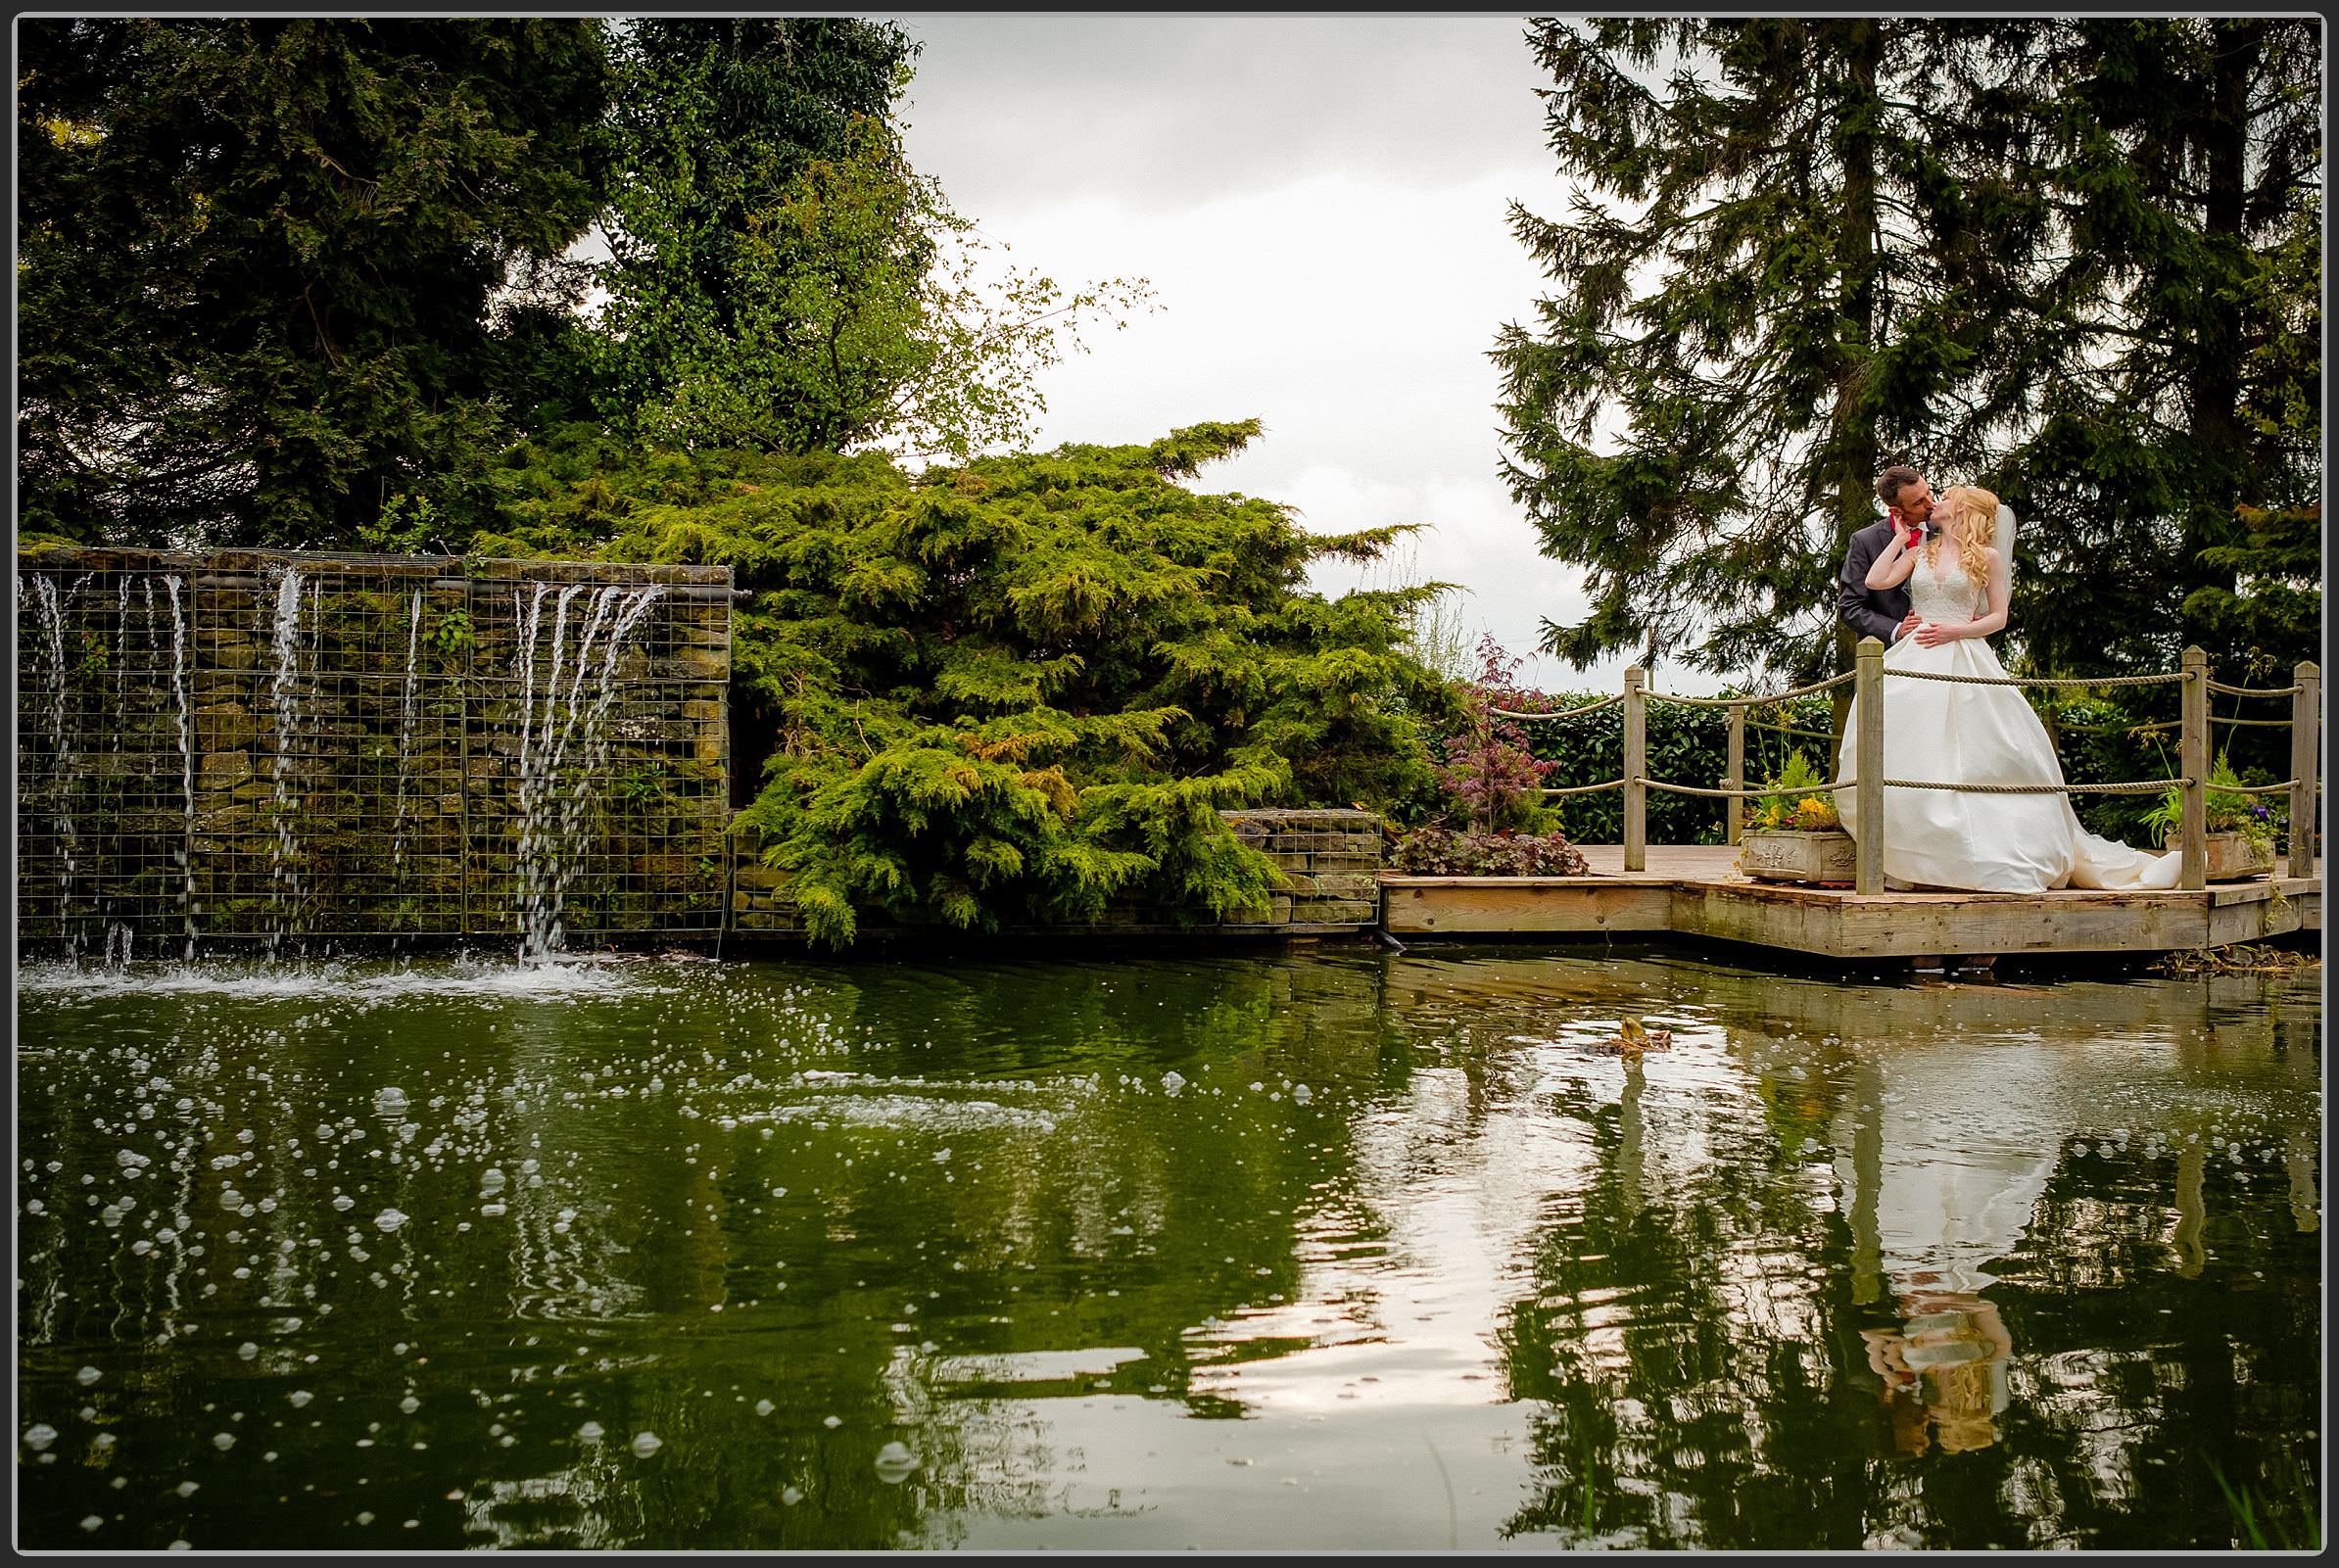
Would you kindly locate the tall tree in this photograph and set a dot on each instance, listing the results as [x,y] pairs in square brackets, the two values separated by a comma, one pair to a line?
[2035,253]
[256,260]
[780,278]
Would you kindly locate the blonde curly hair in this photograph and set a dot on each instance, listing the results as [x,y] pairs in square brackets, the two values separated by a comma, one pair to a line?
[1978,509]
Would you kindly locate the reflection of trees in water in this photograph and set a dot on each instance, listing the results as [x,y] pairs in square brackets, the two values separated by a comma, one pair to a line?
[1684,1409]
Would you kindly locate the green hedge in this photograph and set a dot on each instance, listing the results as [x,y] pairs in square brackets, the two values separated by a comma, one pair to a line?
[1686,745]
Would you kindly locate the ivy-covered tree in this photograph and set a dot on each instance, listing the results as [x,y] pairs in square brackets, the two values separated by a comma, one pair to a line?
[2071,260]
[256,258]
[1009,690]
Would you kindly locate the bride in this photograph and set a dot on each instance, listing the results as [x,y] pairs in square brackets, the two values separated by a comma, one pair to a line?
[1958,582]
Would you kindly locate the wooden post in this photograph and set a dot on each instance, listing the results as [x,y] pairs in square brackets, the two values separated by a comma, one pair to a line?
[1868,755]
[2306,754]
[2193,753]
[1735,777]
[1636,764]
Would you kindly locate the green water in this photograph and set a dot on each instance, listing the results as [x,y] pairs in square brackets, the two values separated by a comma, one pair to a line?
[892,1254]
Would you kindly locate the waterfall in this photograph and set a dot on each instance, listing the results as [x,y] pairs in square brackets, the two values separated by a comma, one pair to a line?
[406,744]
[284,876]
[186,755]
[550,821]
[53,602]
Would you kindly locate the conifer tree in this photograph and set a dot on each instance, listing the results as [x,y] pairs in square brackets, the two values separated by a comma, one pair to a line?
[1009,690]
[2070,260]
[255,256]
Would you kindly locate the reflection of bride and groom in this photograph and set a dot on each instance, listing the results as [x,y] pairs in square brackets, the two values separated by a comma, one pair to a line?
[1939,1179]
[1932,581]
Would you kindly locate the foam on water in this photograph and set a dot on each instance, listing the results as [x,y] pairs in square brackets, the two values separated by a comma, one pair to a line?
[338,981]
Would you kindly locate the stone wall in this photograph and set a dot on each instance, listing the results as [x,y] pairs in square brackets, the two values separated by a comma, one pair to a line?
[1330,858]
[291,745]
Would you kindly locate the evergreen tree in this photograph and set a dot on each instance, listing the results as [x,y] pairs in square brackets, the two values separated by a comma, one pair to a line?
[2032,254]
[256,258]
[1008,691]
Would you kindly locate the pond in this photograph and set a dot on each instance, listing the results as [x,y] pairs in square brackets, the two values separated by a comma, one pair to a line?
[1307,1250]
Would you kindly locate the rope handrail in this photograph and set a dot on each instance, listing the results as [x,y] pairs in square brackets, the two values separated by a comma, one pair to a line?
[1789,728]
[1589,707]
[1751,702]
[2252,789]
[2290,691]
[2135,788]
[2040,680]
[1585,789]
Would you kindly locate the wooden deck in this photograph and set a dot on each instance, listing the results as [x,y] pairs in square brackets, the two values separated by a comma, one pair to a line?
[1694,890]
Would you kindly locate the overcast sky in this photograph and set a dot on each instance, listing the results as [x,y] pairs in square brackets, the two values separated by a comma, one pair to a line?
[1319,204]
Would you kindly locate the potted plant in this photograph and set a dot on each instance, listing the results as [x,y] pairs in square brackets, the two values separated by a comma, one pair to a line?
[1792,833]
[2241,829]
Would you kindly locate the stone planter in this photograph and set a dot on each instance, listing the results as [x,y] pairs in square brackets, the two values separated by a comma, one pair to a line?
[1794,855]
[2237,858]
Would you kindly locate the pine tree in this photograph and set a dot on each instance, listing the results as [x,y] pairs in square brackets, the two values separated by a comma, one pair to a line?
[256,258]
[2071,260]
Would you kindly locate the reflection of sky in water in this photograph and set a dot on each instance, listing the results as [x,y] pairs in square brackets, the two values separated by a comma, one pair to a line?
[1484,1279]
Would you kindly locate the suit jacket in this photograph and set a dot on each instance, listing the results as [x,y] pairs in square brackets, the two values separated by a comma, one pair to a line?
[1871,612]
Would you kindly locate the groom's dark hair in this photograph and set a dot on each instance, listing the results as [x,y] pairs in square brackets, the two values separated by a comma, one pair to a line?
[1894,480]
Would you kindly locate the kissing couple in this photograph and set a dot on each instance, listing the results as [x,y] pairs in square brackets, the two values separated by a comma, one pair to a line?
[1931,580]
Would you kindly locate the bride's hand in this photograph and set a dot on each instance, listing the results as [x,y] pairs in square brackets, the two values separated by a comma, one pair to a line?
[1932,634]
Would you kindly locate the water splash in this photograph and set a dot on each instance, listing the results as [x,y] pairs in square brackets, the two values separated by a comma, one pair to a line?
[284,876]
[550,818]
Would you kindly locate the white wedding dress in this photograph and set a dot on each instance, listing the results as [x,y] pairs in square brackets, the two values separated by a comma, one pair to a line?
[1938,731]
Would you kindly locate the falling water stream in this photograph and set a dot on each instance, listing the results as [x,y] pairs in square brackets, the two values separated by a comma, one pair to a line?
[564,731]
[284,699]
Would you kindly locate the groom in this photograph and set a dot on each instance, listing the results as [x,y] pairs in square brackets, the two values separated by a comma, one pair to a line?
[1883,612]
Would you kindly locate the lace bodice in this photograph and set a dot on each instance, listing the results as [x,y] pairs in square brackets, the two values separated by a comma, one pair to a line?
[1942,596]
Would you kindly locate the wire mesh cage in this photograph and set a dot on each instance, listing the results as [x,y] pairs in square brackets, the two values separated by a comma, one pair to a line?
[277,746]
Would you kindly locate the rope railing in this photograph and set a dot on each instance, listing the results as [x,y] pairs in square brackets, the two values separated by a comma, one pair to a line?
[2197,728]
[2133,787]
[1571,713]
[2040,680]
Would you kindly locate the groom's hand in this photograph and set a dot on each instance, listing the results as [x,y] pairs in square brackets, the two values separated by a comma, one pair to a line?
[1908,623]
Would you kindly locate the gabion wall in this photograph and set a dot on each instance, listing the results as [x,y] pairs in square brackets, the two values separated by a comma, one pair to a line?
[278,746]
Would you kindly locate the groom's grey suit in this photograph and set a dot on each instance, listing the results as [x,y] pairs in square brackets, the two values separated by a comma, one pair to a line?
[1871,611]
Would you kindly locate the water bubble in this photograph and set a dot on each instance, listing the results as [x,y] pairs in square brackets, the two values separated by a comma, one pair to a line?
[894,1462]
[343,1202]
[223,1441]
[1172,1082]
[410,1405]
[764,1407]
[591,1432]
[1302,1094]
[831,1422]
[247,1350]
[645,1444]
[91,1522]
[188,1488]
[792,1496]
[299,1398]
[389,1219]
[390,1101]
[39,1435]
[87,1375]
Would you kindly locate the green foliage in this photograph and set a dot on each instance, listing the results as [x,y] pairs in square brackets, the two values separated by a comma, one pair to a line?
[1801,805]
[406,524]
[256,260]
[1442,852]
[1014,689]
[782,278]
[2225,810]
[2074,259]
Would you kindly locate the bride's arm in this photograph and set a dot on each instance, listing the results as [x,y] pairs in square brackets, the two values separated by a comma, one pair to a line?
[1893,564]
